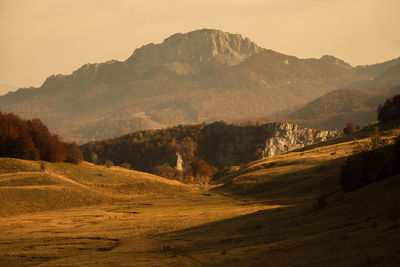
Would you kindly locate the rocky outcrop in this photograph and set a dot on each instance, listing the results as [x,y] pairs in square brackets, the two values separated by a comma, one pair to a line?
[228,144]
[289,136]
[189,53]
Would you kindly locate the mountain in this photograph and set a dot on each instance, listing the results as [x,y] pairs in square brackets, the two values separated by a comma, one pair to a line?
[390,77]
[336,61]
[5,88]
[376,69]
[334,109]
[204,75]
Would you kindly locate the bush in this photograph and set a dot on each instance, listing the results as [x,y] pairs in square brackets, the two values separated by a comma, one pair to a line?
[108,163]
[350,128]
[202,171]
[165,170]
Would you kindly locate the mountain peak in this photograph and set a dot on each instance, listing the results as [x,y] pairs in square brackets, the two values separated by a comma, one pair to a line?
[336,61]
[186,53]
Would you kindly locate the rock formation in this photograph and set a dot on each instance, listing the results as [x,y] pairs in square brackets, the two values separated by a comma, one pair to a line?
[227,144]
[191,52]
[289,136]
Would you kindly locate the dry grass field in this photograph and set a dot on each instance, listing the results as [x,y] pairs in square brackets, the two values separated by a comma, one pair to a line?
[264,213]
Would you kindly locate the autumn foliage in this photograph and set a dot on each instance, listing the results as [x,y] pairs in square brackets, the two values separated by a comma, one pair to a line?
[202,171]
[31,139]
[350,128]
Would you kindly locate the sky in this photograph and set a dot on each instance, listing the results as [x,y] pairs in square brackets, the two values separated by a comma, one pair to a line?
[39,38]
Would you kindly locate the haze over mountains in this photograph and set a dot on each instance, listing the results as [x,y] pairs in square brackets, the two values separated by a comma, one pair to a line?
[204,75]
[5,88]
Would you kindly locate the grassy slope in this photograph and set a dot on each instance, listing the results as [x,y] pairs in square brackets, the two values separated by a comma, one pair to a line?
[23,188]
[356,229]
[203,228]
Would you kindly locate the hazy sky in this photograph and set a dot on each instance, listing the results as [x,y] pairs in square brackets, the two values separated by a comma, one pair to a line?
[39,38]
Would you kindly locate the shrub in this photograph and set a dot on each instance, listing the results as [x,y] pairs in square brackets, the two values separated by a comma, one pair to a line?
[349,129]
[93,157]
[202,171]
[165,170]
[108,163]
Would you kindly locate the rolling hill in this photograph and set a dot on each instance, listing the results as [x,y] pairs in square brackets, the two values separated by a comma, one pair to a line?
[25,188]
[377,69]
[204,75]
[333,110]
[279,211]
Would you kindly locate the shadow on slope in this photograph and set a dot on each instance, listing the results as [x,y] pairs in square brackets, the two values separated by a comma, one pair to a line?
[356,229]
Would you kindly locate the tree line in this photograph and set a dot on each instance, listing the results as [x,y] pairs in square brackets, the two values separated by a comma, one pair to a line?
[32,140]
[375,160]
[156,151]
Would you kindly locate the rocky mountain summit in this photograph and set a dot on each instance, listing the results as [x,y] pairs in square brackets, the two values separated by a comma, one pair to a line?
[201,76]
[192,52]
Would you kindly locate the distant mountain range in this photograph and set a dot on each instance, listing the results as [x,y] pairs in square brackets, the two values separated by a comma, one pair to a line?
[5,88]
[334,109]
[204,75]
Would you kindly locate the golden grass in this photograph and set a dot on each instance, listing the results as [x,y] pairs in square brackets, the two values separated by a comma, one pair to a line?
[23,188]
[89,215]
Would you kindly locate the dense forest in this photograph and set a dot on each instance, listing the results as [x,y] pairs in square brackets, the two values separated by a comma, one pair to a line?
[199,146]
[153,151]
[31,139]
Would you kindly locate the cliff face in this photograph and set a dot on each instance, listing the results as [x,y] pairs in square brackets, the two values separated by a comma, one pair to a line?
[191,52]
[228,145]
[289,136]
[219,144]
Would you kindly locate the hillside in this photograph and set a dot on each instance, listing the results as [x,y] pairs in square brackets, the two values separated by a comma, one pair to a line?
[204,75]
[5,88]
[334,109]
[25,188]
[390,77]
[220,144]
[267,212]
[375,70]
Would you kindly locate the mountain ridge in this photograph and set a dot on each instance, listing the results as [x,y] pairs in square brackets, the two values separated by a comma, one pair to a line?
[223,77]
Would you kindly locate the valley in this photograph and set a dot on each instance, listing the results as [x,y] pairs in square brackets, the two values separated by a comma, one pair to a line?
[266,212]
[200,133]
